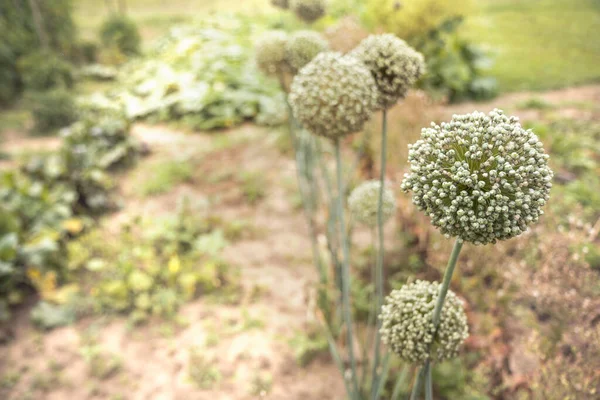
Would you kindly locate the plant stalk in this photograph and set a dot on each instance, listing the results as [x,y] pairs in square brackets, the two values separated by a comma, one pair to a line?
[380,252]
[428,382]
[346,309]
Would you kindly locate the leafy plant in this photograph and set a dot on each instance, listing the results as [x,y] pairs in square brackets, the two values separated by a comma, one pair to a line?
[43,70]
[52,110]
[151,268]
[120,32]
[455,67]
[203,75]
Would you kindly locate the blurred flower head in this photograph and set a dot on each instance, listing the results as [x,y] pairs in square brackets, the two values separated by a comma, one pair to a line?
[407,323]
[302,47]
[364,199]
[333,95]
[479,177]
[270,52]
[395,66]
[308,10]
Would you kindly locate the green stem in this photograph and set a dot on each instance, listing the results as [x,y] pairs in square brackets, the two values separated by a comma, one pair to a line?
[437,312]
[428,382]
[417,385]
[345,268]
[380,250]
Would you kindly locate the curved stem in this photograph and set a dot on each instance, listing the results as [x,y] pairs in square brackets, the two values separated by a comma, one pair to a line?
[345,268]
[380,251]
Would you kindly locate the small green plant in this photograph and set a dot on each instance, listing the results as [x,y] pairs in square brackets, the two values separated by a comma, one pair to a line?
[166,175]
[45,70]
[121,33]
[535,103]
[309,345]
[253,186]
[261,384]
[202,371]
[52,110]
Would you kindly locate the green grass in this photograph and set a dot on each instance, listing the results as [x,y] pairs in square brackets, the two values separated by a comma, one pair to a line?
[540,44]
[166,175]
[155,17]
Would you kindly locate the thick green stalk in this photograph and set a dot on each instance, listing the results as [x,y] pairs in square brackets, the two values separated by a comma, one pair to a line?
[346,307]
[428,382]
[380,251]
[437,311]
[307,195]
[418,385]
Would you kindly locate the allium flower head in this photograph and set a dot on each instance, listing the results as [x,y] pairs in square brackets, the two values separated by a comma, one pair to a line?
[308,10]
[394,64]
[479,177]
[285,4]
[270,52]
[302,47]
[333,95]
[407,323]
[363,202]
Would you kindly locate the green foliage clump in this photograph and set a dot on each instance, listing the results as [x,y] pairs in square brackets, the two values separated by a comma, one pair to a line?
[44,70]
[409,19]
[19,39]
[91,148]
[121,33]
[52,110]
[32,236]
[151,268]
[202,75]
[456,68]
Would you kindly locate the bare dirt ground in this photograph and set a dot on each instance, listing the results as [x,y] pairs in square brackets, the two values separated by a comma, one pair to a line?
[155,359]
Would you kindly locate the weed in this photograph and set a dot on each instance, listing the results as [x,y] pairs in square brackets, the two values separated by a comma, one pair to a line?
[201,371]
[253,186]
[261,384]
[166,175]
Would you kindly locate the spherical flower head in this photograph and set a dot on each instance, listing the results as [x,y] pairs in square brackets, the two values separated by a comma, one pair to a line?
[308,10]
[333,95]
[284,4]
[302,47]
[364,200]
[407,323]
[395,66]
[481,178]
[270,52]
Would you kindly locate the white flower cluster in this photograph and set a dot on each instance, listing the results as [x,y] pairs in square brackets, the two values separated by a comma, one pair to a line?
[302,47]
[270,52]
[394,64]
[407,323]
[479,177]
[308,10]
[364,199]
[284,4]
[333,95]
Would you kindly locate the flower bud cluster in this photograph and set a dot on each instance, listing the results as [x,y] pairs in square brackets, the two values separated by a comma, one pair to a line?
[271,52]
[333,95]
[407,323]
[394,64]
[479,177]
[302,47]
[364,200]
[308,10]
